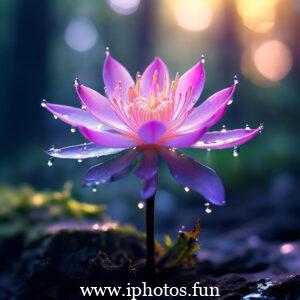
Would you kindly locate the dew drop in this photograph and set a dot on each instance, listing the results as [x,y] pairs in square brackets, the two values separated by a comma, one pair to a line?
[79,161]
[208,210]
[107,51]
[43,103]
[55,117]
[247,127]
[141,205]
[52,148]
[230,102]
[83,107]
[50,162]
[186,189]
[235,152]
[223,128]
[261,128]
[208,150]
[235,79]
[94,190]
[73,129]
[202,59]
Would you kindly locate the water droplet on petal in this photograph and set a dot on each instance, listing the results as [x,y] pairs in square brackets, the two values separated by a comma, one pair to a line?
[202,59]
[261,128]
[107,51]
[79,161]
[235,79]
[230,102]
[51,148]
[43,103]
[141,205]
[223,128]
[50,162]
[55,117]
[208,150]
[247,127]
[235,152]
[186,189]
[83,107]
[73,129]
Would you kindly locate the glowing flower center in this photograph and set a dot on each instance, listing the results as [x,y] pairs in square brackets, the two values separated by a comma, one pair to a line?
[161,103]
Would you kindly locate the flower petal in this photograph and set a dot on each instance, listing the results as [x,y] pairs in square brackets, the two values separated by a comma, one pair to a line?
[195,78]
[210,111]
[83,151]
[148,166]
[74,116]
[184,140]
[109,170]
[226,139]
[113,73]
[192,174]
[152,131]
[150,187]
[107,138]
[100,107]
[147,77]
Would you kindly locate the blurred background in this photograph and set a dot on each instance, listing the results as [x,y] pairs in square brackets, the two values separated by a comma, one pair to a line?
[45,45]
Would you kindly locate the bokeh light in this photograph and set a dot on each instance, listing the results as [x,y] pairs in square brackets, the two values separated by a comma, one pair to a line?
[81,34]
[273,60]
[124,7]
[257,15]
[193,15]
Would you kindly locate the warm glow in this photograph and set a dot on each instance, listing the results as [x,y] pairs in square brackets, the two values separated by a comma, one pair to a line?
[257,15]
[273,60]
[193,15]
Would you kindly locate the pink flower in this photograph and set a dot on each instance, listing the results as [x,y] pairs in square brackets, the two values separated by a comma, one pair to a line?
[150,116]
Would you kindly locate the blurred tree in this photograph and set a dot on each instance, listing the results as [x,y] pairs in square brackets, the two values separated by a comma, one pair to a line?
[28,77]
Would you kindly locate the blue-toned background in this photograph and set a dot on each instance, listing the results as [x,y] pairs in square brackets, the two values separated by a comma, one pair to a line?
[45,45]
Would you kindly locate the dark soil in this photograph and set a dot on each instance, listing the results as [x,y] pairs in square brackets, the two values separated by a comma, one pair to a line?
[56,265]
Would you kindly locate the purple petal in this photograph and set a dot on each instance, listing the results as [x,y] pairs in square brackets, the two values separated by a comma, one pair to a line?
[83,151]
[147,77]
[108,139]
[184,140]
[195,78]
[150,188]
[195,176]
[210,111]
[100,107]
[113,73]
[109,170]
[226,139]
[151,131]
[76,117]
[148,166]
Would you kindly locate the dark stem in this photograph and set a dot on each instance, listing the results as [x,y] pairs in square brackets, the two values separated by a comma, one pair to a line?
[150,234]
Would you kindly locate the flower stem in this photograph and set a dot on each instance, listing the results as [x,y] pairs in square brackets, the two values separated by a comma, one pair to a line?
[150,234]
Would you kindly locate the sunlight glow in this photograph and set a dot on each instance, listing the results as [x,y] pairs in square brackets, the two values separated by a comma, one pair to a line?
[193,15]
[257,15]
[273,60]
